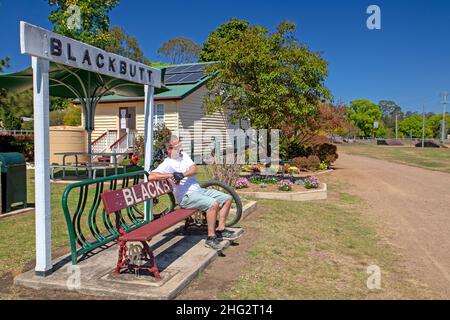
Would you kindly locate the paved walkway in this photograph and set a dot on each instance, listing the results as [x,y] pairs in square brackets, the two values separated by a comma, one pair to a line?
[414,204]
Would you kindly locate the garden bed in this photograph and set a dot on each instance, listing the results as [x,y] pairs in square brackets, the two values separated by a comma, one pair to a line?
[301,174]
[282,187]
[303,195]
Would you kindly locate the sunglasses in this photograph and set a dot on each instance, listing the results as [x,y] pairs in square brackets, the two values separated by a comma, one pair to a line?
[177,146]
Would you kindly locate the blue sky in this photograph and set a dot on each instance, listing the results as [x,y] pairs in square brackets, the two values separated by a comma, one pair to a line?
[407,61]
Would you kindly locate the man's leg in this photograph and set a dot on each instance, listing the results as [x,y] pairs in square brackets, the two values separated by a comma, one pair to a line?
[225,201]
[223,214]
[211,217]
[209,205]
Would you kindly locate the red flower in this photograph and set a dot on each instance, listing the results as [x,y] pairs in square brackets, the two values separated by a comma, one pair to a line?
[134,159]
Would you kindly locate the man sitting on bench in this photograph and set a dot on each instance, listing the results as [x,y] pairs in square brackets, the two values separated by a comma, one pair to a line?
[179,166]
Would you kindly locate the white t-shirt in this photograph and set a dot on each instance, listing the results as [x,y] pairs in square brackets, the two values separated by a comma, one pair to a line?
[182,164]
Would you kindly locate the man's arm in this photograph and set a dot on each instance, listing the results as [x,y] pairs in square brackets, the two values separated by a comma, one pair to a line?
[162,172]
[192,171]
[155,176]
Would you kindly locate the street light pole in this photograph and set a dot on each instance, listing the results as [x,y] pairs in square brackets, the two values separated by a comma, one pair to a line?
[423,127]
[396,124]
[443,126]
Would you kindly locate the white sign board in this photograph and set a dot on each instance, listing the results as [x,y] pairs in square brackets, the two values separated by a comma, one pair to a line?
[376,125]
[39,42]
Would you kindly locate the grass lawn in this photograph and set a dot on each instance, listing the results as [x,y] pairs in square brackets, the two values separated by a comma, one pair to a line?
[428,158]
[305,250]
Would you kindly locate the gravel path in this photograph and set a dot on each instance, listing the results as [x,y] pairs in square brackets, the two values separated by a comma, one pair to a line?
[414,206]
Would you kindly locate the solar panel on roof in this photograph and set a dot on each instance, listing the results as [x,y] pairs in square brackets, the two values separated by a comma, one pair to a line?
[186,69]
[174,78]
[183,78]
[195,68]
[179,69]
[193,77]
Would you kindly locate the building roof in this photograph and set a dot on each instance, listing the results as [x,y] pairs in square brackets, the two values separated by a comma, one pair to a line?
[174,91]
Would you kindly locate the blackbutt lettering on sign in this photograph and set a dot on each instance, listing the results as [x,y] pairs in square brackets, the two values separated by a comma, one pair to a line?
[48,45]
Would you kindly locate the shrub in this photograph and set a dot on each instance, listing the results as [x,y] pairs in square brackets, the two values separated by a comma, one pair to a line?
[327,153]
[311,182]
[72,116]
[227,173]
[313,163]
[56,118]
[301,162]
[11,122]
[27,125]
[316,145]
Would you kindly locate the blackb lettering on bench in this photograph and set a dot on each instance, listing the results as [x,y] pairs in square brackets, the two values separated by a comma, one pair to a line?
[115,200]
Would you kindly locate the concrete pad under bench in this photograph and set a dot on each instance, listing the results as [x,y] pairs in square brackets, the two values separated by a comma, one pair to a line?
[180,257]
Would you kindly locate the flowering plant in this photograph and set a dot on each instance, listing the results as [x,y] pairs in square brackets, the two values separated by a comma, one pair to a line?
[284,185]
[134,159]
[311,182]
[323,166]
[242,183]
[293,170]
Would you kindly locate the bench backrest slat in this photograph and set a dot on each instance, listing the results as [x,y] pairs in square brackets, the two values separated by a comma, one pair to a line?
[116,200]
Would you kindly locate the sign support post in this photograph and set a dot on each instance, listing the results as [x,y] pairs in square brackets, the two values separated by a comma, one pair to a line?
[149,111]
[42,166]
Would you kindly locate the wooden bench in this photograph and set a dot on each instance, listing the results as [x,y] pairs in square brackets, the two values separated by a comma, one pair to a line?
[116,200]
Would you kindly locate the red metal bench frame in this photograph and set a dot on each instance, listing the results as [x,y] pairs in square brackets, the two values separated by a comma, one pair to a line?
[116,200]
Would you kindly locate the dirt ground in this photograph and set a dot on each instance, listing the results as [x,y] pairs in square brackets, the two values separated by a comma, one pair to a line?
[413,207]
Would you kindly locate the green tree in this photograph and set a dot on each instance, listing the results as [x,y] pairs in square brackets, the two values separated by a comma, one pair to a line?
[126,45]
[95,20]
[269,78]
[364,114]
[389,109]
[10,121]
[72,116]
[13,106]
[435,124]
[229,31]
[413,125]
[4,63]
[180,50]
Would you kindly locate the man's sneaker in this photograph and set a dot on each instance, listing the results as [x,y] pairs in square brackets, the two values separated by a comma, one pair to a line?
[227,235]
[213,243]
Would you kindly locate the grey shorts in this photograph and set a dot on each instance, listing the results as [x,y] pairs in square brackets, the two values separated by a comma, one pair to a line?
[203,199]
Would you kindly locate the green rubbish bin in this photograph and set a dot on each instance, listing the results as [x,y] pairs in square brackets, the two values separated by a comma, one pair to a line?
[14,180]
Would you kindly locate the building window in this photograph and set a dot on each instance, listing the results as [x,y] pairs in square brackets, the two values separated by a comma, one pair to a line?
[159,115]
